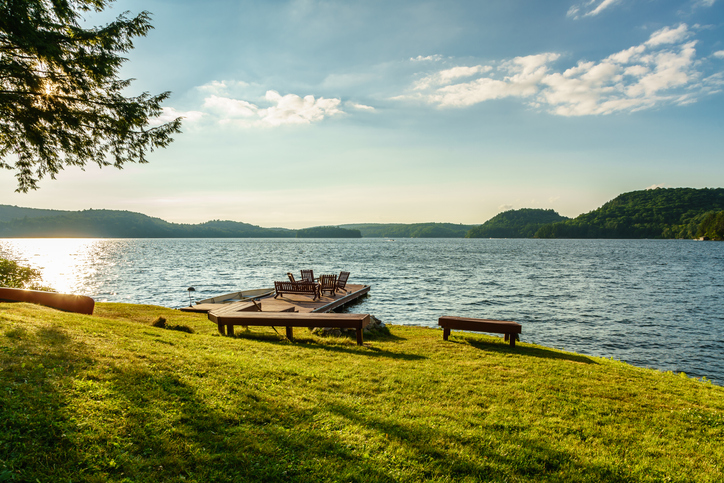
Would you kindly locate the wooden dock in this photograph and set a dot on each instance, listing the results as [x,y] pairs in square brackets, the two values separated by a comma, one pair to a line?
[289,310]
[290,302]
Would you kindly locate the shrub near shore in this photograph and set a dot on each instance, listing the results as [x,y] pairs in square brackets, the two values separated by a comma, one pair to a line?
[109,397]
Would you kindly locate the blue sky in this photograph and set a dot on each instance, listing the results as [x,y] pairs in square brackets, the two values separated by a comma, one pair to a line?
[302,113]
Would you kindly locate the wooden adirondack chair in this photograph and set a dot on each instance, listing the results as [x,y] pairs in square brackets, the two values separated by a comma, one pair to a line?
[308,275]
[328,283]
[342,281]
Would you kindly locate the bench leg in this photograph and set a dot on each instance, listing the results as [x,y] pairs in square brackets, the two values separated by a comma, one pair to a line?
[230,330]
[222,330]
[359,336]
[445,333]
[512,339]
[290,333]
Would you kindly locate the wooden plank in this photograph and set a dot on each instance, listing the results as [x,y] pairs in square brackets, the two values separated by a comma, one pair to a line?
[337,302]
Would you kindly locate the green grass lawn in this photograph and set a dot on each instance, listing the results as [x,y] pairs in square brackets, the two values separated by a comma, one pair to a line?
[109,397]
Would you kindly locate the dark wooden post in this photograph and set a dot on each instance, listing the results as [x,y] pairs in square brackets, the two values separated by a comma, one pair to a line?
[290,333]
[445,333]
[230,330]
[359,336]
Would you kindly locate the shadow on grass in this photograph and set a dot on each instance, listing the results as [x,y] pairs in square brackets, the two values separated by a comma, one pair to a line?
[522,350]
[507,453]
[331,345]
[65,416]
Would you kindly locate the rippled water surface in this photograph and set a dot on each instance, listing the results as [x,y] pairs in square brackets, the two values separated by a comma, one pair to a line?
[653,303]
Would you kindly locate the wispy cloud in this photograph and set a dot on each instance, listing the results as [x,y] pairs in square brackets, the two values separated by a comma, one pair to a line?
[704,3]
[589,8]
[655,186]
[169,114]
[421,58]
[719,54]
[661,70]
[359,107]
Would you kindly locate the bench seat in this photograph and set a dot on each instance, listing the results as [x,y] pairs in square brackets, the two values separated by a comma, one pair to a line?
[301,288]
[227,320]
[510,329]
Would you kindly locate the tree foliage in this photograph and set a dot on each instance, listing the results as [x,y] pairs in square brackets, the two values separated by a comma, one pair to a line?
[328,232]
[412,230]
[712,226]
[523,223]
[61,101]
[17,276]
[658,213]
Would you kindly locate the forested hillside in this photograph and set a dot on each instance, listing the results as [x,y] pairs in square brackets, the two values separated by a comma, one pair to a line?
[523,223]
[657,213]
[414,230]
[328,232]
[8,212]
[126,224]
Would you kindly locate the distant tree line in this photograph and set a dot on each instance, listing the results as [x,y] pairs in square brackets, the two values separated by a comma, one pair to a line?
[523,223]
[328,232]
[410,230]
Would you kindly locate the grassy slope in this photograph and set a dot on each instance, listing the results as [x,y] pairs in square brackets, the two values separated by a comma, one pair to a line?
[110,398]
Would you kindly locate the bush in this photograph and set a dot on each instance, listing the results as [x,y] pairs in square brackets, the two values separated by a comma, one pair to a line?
[13,275]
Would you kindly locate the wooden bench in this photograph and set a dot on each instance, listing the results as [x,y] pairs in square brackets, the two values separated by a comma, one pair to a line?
[227,320]
[302,288]
[510,329]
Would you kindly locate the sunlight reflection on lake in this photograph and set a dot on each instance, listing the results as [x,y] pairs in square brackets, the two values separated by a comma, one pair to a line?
[67,264]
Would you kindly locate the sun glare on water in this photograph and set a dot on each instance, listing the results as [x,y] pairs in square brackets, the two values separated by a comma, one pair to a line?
[67,264]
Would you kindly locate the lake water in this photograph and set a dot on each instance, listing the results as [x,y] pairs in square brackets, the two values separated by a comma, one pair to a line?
[652,303]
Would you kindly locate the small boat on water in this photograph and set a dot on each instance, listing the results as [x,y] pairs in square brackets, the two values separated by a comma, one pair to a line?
[243,296]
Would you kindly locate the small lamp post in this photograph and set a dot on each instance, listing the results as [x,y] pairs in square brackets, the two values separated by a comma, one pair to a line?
[190,289]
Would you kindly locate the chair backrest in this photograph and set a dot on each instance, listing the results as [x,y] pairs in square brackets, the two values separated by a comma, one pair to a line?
[342,279]
[328,282]
[291,277]
[308,275]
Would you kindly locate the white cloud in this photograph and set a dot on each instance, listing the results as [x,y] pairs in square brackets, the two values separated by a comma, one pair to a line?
[590,7]
[719,54]
[292,109]
[505,207]
[168,114]
[704,3]
[664,69]
[360,107]
[523,75]
[273,109]
[655,186]
[230,108]
[221,87]
[667,35]
[420,58]
[447,75]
